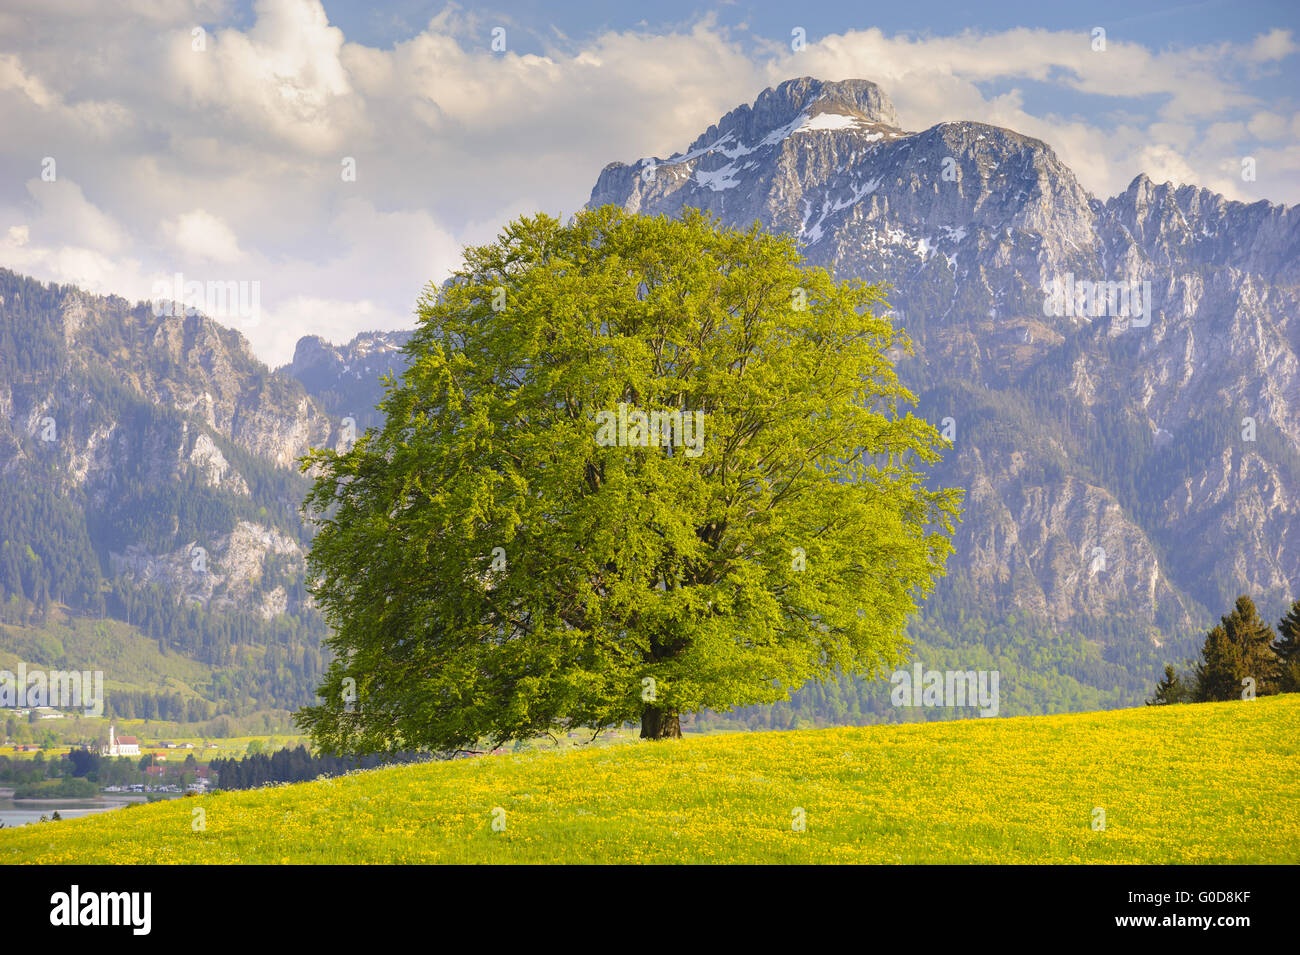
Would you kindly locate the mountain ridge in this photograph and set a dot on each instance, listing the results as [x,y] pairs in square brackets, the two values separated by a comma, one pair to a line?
[1074,434]
[971,224]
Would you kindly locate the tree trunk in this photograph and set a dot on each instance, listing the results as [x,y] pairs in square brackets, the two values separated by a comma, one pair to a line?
[659,723]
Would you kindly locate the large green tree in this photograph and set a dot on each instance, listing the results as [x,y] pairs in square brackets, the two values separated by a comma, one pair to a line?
[513,551]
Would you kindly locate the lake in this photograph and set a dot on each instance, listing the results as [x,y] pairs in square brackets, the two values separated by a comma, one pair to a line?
[30,810]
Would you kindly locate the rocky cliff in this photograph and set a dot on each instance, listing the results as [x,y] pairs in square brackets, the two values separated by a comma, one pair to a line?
[1124,459]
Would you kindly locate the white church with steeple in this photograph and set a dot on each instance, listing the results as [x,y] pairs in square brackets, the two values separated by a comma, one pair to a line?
[120,745]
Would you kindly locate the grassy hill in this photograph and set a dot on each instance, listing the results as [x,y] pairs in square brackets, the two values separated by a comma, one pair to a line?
[130,660]
[134,664]
[1217,782]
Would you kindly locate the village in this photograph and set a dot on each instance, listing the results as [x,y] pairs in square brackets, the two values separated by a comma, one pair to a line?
[122,764]
[119,746]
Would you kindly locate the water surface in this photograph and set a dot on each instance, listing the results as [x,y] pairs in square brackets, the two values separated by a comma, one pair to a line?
[30,810]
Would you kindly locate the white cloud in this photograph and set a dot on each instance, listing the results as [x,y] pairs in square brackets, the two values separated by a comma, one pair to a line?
[14,77]
[1274,45]
[69,263]
[335,320]
[1267,125]
[227,160]
[203,237]
[65,213]
[1166,165]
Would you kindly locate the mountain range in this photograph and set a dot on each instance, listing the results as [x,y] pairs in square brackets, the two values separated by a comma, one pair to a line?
[1118,377]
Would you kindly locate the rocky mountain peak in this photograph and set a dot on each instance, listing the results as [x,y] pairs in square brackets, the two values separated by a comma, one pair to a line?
[778,107]
[816,158]
[313,355]
[1169,222]
[312,350]
[344,378]
[1076,434]
[834,123]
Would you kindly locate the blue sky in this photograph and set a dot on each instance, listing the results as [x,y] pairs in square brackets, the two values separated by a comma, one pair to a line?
[1152,24]
[539,27]
[224,161]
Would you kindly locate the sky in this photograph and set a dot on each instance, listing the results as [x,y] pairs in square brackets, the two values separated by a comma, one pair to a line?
[142,139]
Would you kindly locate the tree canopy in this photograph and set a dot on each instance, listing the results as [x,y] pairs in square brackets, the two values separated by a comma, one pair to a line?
[1287,649]
[1238,649]
[637,467]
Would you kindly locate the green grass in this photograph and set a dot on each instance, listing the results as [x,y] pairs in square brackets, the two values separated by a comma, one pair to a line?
[1214,783]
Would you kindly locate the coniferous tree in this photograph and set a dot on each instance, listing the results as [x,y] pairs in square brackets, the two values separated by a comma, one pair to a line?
[1237,650]
[1287,648]
[1216,673]
[1171,689]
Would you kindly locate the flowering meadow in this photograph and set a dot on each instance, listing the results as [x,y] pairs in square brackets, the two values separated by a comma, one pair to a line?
[1196,783]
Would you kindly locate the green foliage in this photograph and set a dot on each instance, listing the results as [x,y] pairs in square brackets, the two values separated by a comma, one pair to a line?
[45,551]
[297,765]
[1171,689]
[1237,650]
[1238,654]
[630,582]
[1287,649]
[58,538]
[230,663]
[31,337]
[67,787]
[1042,670]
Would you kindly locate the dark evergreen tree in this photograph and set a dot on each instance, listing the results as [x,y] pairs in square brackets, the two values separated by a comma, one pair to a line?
[1287,649]
[1237,650]
[1171,689]
[83,761]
